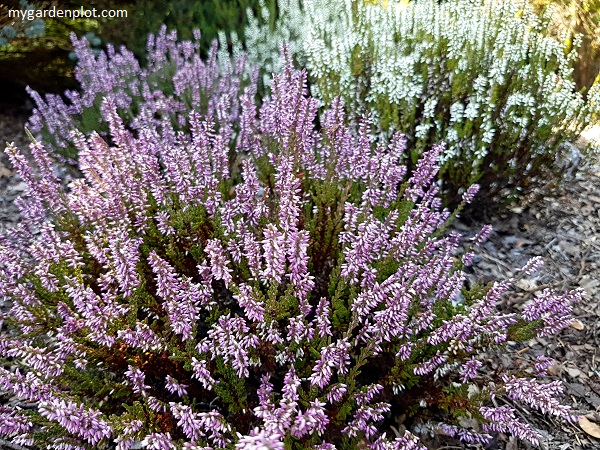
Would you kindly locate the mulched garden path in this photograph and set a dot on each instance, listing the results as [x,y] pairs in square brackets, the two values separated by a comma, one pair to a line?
[563,228]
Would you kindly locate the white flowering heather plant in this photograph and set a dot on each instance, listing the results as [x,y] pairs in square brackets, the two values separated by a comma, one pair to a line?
[284,288]
[484,77]
[264,35]
[175,81]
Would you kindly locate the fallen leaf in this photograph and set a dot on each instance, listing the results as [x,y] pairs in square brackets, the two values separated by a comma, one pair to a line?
[593,429]
[577,325]
[593,416]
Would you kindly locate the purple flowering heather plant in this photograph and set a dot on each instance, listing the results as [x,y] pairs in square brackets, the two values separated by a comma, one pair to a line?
[278,286]
[175,81]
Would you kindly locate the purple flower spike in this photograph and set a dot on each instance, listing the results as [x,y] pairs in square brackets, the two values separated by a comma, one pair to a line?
[470,193]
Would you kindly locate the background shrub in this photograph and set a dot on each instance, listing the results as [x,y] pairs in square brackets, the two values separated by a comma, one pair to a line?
[11,30]
[35,53]
[484,77]
[578,17]
[240,279]
[210,16]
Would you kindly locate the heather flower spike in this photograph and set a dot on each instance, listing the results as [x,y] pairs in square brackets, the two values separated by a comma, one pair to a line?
[223,275]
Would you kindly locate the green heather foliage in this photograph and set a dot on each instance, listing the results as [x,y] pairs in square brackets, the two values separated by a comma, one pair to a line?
[235,278]
[483,76]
